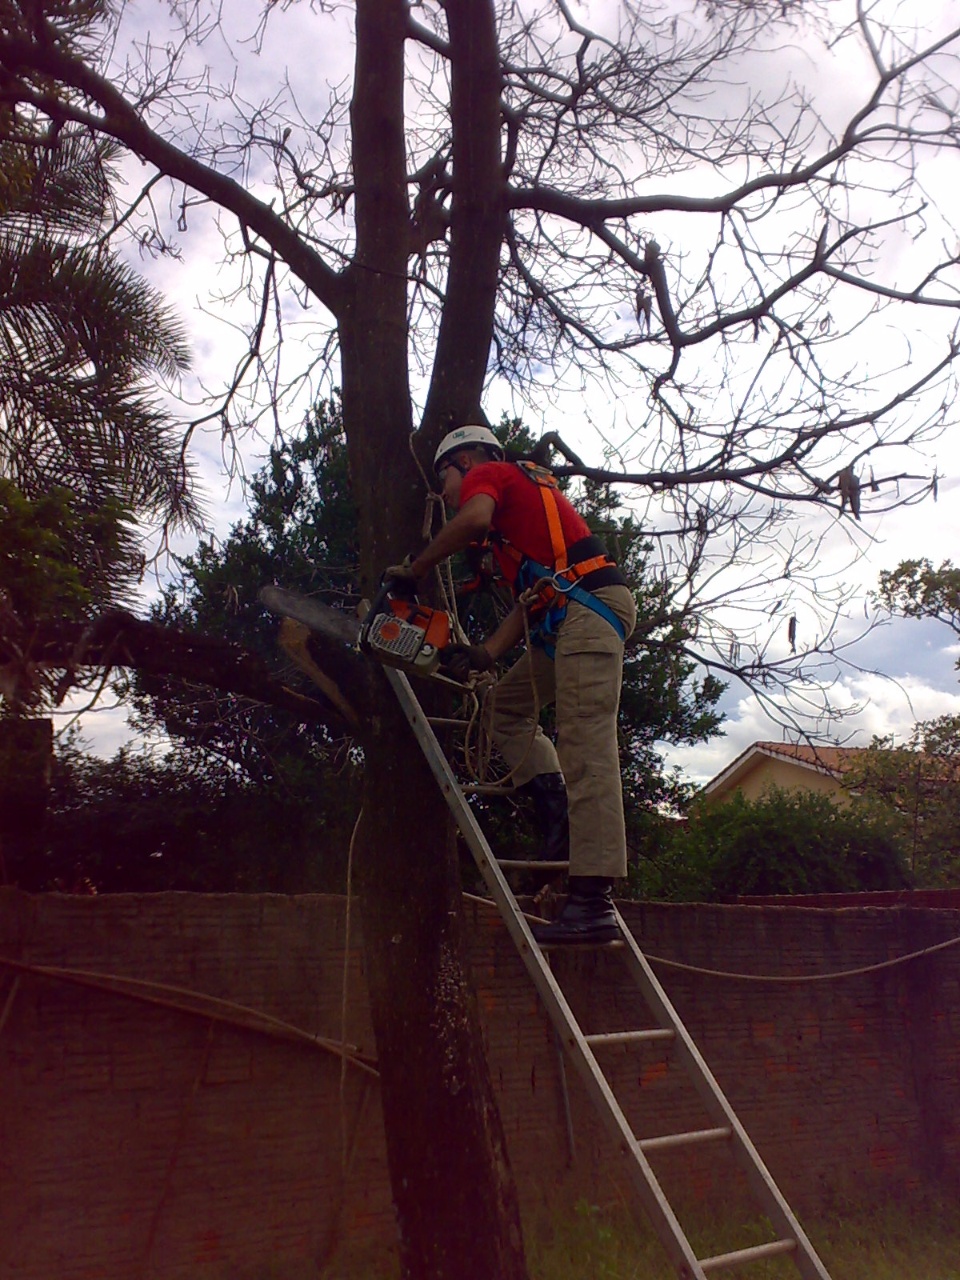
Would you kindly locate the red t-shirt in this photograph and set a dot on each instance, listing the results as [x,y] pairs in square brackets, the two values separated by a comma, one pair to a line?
[519,515]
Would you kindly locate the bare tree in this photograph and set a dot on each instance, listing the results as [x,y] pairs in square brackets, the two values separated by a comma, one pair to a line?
[725,258]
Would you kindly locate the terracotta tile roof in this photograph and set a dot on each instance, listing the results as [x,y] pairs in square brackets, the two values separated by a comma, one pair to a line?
[833,759]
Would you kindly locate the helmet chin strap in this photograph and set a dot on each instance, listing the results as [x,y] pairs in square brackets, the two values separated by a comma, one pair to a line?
[457,466]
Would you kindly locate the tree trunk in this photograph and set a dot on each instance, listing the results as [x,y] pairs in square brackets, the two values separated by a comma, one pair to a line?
[452,1185]
[454,1193]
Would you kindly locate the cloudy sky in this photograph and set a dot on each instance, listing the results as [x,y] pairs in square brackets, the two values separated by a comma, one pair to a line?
[898,672]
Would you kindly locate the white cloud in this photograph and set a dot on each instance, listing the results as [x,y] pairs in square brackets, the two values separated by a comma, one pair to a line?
[917,681]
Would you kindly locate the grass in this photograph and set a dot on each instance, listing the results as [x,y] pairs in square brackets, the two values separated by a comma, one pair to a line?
[916,1240]
[892,1242]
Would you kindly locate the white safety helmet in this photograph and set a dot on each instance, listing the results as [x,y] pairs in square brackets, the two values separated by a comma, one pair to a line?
[469,437]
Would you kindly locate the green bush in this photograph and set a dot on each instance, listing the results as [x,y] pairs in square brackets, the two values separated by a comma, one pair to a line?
[787,842]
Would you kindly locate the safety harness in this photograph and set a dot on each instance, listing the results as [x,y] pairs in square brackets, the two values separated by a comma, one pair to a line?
[578,570]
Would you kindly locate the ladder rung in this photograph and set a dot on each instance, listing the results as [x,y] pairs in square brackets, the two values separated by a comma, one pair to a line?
[630,1037]
[530,864]
[486,789]
[753,1254]
[447,720]
[684,1139]
[580,946]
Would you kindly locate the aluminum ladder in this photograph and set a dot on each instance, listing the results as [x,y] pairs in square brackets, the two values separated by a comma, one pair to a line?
[791,1239]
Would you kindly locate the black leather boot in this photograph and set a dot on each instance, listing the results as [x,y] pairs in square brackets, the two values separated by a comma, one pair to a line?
[588,915]
[548,791]
[549,794]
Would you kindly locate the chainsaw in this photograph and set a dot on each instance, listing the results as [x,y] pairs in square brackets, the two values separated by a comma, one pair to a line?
[401,632]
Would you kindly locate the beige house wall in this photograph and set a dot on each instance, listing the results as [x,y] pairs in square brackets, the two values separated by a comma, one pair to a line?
[786,775]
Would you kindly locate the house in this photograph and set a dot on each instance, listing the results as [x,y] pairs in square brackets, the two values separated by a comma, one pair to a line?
[786,765]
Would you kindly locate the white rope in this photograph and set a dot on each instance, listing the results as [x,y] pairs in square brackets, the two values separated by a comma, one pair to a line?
[807,977]
[344,1137]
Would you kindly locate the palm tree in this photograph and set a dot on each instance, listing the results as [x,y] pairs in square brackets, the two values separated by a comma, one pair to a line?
[81,337]
[88,455]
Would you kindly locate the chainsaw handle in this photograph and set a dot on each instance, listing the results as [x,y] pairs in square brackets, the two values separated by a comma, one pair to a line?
[399,588]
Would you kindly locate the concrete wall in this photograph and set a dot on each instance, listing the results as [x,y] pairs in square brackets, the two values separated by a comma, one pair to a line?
[138,1139]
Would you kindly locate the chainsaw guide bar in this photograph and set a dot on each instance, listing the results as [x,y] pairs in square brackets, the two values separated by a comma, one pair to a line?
[395,630]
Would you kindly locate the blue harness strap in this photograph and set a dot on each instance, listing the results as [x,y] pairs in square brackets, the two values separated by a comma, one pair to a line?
[548,625]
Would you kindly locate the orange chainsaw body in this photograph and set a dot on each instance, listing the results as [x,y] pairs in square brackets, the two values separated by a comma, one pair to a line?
[406,634]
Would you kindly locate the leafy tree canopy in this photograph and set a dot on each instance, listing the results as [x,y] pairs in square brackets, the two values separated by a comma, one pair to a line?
[302,531]
[144,822]
[787,842]
[918,783]
[915,589]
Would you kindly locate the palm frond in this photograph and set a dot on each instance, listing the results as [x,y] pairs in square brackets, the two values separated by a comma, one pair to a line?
[82,340]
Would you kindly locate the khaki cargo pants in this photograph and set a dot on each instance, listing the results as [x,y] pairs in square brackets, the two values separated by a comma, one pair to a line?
[583,679]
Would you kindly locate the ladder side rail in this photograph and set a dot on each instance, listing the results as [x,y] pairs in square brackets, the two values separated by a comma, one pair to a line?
[469,827]
[761,1180]
[561,1015]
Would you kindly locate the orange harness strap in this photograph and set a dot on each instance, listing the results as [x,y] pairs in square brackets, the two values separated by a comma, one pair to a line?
[558,543]
[550,607]
[583,567]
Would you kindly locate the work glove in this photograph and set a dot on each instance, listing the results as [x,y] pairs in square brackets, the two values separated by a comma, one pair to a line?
[458,660]
[401,579]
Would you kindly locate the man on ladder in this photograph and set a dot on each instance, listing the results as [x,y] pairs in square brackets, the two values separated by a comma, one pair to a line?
[580,611]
